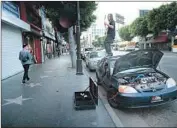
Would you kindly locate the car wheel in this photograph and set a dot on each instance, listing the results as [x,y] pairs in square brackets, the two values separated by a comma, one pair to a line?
[89,68]
[111,98]
[98,80]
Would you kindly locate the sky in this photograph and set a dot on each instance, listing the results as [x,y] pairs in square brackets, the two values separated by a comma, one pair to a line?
[130,10]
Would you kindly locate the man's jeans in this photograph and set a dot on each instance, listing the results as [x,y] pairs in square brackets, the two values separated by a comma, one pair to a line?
[107,43]
[26,68]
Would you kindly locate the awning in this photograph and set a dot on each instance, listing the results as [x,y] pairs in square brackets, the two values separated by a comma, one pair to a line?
[161,39]
[7,18]
[33,31]
[48,36]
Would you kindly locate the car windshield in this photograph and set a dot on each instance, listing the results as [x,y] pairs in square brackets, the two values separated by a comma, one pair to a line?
[97,54]
[135,70]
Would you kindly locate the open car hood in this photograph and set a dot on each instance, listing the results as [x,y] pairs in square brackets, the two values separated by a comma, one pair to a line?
[148,58]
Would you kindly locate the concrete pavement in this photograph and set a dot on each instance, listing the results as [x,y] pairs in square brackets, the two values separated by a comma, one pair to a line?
[47,100]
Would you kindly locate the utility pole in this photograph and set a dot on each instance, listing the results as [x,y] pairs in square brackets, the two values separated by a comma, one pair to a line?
[79,70]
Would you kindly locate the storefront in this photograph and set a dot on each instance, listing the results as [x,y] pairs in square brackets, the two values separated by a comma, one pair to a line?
[30,15]
[174,46]
[160,42]
[48,39]
[33,38]
[12,28]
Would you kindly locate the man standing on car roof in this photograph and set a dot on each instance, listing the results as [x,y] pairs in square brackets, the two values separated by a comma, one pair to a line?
[110,34]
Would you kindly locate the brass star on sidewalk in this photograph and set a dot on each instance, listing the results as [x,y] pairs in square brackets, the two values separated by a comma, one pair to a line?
[48,71]
[44,77]
[33,85]
[19,100]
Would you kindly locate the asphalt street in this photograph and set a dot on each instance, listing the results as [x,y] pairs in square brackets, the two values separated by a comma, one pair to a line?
[161,116]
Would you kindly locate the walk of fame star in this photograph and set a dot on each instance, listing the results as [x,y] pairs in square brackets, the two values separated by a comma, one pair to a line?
[33,85]
[19,100]
[44,77]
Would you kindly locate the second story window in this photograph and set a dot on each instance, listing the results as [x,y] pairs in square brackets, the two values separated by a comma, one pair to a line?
[33,18]
[11,8]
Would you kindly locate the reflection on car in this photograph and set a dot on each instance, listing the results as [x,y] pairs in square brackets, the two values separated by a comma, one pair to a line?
[133,81]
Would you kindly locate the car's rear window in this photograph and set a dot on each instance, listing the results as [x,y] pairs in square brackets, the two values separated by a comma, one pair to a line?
[97,54]
[88,49]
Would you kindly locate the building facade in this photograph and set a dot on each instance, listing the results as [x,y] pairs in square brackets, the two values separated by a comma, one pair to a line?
[48,39]
[97,30]
[30,15]
[12,38]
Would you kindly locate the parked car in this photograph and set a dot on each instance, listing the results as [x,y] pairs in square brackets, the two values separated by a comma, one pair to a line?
[133,81]
[93,57]
[85,51]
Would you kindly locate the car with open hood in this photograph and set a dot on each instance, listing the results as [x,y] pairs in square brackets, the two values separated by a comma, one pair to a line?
[133,81]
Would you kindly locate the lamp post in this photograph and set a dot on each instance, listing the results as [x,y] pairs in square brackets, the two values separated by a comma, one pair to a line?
[79,70]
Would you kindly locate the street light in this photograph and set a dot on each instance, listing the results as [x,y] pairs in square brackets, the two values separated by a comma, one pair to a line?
[79,60]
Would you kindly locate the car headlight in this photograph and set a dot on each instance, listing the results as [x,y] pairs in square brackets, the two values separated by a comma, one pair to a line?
[126,89]
[170,83]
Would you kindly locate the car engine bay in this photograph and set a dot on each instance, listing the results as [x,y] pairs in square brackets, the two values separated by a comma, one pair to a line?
[145,82]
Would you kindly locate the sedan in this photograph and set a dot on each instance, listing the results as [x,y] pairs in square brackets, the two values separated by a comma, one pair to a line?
[86,51]
[133,81]
[92,59]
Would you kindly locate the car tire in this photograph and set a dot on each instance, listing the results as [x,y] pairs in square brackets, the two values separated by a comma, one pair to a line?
[90,68]
[112,102]
[98,80]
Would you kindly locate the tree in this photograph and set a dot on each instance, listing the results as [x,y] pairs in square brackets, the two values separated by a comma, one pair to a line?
[163,18]
[99,42]
[96,37]
[125,34]
[54,9]
[139,27]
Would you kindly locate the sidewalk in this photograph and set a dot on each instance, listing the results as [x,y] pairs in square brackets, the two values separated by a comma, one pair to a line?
[47,100]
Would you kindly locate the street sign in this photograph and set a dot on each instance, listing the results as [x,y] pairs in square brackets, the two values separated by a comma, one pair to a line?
[119,19]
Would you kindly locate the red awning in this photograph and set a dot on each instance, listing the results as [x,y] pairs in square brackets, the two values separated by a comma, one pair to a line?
[161,39]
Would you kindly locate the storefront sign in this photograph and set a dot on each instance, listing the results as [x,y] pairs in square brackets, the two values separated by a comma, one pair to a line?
[11,8]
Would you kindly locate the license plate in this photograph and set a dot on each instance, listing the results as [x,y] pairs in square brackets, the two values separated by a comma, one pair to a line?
[156,99]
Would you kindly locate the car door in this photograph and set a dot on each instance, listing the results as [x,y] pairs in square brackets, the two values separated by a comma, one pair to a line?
[106,76]
[87,57]
[100,70]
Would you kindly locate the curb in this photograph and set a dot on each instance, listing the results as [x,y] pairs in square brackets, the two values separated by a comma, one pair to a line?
[108,108]
[111,112]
